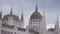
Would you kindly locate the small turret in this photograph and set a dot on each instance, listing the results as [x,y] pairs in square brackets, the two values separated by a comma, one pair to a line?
[0,20]
[22,20]
[1,14]
[22,17]
[11,12]
[57,25]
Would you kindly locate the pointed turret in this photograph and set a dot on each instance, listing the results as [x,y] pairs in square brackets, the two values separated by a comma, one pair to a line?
[11,12]
[57,23]
[44,18]
[1,14]
[22,20]
[43,15]
[44,22]
[36,9]
[0,19]
[22,17]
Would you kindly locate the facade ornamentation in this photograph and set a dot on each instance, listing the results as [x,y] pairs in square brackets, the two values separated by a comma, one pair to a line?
[11,24]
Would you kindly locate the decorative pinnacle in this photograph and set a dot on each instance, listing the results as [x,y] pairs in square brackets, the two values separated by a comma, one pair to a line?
[36,9]
[11,11]
[22,16]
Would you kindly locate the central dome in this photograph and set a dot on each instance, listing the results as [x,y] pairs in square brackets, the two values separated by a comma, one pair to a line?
[36,14]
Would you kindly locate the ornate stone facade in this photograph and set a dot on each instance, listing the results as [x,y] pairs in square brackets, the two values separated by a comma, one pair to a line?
[11,24]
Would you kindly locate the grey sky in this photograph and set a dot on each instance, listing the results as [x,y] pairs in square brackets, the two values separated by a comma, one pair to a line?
[28,7]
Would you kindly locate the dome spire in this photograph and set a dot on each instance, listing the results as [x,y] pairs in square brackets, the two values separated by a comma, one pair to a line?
[36,9]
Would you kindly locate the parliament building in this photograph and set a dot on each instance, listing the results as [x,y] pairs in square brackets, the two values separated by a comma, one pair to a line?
[11,24]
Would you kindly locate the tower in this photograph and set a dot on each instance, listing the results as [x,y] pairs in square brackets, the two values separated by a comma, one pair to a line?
[1,14]
[22,20]
[0,17]
[10,18]
[43,22]
[22,17]
[57,25]
[11,12]
[0,20]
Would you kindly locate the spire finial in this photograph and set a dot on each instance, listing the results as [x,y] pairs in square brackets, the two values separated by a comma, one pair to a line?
[11,12]
[1,14]
[57,22]
[43,10]
[22,16]
[1,10]
[36,7]
[57,16]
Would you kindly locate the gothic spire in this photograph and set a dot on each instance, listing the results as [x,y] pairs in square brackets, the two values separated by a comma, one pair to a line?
[43,14]
[44,22]
[36,9]
[22,17]
[11,12]
[57,23]
[1,14]
[1,11]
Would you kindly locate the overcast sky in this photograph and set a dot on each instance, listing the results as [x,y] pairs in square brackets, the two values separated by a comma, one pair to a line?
[28,7]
